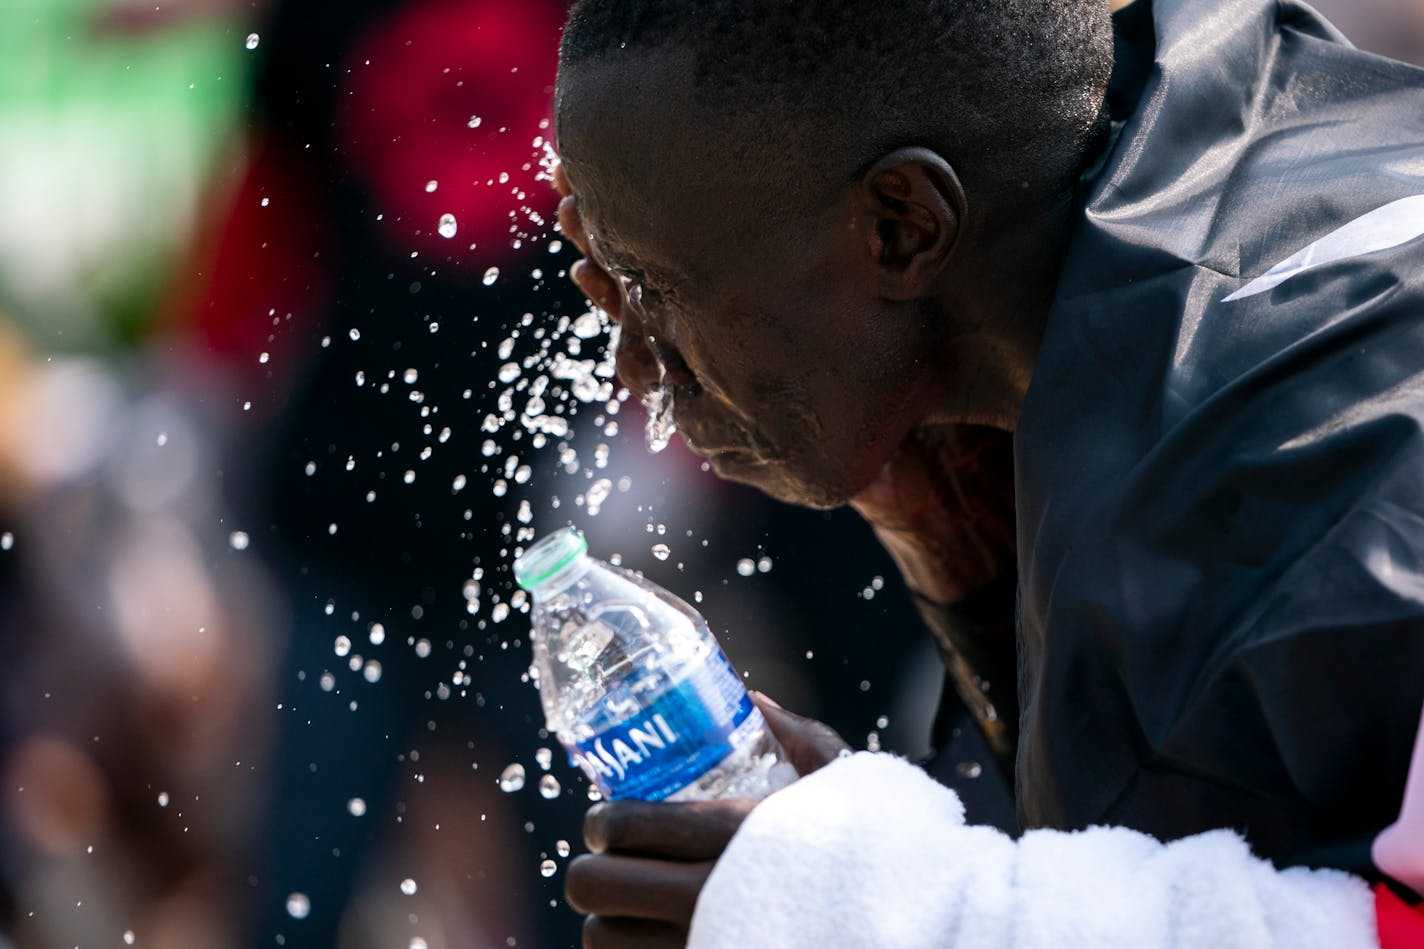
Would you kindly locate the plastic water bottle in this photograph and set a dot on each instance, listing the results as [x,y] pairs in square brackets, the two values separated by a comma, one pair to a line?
[635,686]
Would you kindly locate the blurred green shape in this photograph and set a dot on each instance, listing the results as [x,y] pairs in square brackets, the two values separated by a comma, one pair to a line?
[113,130]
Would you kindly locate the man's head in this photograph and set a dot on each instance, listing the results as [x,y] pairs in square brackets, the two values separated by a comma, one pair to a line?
[805,194]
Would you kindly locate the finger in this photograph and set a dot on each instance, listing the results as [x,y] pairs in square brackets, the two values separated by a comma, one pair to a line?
[808,743]
[598,286]
[615,885]
[671,830]
[617,932]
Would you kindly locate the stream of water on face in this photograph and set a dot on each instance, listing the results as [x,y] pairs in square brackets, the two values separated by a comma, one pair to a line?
[661,425]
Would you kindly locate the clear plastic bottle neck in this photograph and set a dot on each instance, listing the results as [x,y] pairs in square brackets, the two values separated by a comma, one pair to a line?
[553,563]
[565,577]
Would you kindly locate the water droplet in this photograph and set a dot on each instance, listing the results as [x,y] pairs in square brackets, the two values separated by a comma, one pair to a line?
[491,276]
[417,943]
[356,807]
[409,476]
[661,425]
[298,905]
[598,493]
[548,868]
[355,334]
[422,648]
[969,769]
[408,886]
[882,722]
[162,798]
[378,634]
[238,540]
[588,326]
[746,567]
[508,372]
[459,483]
[500,612]
[549,787]
[128,937]
[252,40]
[511,779]
[372,672]
[764,565]
[343,645]
[7,540]
[543,756]
[872,741]
[594,794]
[448,226]
[431,185]
[163,436]
[661,551]
[410,376]
[562,848]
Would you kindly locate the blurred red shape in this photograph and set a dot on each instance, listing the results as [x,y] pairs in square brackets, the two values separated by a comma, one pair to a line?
[417,84]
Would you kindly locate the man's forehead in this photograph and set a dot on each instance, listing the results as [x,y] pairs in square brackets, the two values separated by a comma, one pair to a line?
[626,113]
[649,176]
[673,182]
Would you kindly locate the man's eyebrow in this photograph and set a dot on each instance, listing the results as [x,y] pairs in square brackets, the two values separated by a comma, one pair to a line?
[624,264]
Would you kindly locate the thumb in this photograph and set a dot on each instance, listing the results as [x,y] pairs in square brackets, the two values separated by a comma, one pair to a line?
[809,744]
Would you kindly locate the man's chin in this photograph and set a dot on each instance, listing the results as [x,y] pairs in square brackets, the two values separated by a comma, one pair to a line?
[774,480]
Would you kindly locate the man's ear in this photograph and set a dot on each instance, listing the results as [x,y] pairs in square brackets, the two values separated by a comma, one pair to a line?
[913,209]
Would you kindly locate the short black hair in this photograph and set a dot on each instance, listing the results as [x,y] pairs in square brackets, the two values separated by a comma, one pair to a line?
[1009,91]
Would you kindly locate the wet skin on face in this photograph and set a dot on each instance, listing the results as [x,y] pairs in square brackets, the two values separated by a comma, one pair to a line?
[795,365]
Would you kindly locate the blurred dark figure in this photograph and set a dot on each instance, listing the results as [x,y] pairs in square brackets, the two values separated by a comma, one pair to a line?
[141,636]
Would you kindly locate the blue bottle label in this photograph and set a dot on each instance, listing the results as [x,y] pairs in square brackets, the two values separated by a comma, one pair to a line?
[688,731]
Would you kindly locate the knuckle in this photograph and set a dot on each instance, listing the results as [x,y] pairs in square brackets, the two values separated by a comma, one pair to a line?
[581,883]
[596,827]
[594,932]
[613,823]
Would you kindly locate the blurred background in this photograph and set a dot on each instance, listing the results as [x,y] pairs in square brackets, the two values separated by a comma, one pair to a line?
[289,367]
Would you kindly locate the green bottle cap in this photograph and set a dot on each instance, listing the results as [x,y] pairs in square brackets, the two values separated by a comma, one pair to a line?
[548,556]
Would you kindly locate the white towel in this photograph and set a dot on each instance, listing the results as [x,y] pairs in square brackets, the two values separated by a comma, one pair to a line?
[870,852]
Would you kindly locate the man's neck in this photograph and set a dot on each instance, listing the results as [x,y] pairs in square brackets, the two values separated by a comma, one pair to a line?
[1000,296]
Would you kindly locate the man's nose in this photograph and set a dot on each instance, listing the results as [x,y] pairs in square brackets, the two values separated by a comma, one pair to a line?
[638,366]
